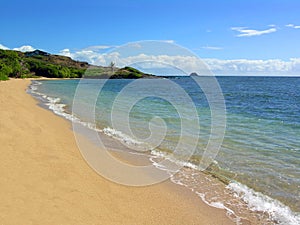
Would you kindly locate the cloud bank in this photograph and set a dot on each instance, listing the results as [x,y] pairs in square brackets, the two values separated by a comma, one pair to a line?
[254,67]
[192,64]
[188,64]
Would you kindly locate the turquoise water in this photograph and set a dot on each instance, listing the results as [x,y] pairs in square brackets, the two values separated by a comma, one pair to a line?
[261,147]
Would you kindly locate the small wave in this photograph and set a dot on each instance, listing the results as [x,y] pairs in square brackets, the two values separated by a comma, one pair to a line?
[273,211]
[55,105]
[279,213]
[33,87]
[176,178]
[173,159]
[121,136]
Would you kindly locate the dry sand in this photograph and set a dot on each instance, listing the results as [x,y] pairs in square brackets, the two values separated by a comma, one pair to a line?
[44,179]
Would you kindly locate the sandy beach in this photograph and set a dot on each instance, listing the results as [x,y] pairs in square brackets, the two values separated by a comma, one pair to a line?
[44,179]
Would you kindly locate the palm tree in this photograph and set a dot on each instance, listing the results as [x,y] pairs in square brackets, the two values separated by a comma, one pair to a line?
[112,66]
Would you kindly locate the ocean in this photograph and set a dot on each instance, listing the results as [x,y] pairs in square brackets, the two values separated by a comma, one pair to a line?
[256,173]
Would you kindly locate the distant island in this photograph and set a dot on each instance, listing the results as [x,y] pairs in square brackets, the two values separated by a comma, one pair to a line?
[42,64]
[194,74]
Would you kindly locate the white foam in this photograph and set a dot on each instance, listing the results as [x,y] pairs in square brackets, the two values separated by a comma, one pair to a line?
[215,204]
[33,87]
[57,107]
[258,202]
[174,160]
[277,211]
[219,205]
[121,136]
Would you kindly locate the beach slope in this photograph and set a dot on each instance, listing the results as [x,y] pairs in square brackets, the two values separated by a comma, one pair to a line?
[44,179]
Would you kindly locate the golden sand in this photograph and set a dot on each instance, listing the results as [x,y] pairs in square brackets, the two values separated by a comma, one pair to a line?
[44,179]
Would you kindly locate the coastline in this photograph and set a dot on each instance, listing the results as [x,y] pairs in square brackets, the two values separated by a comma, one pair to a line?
[44,179]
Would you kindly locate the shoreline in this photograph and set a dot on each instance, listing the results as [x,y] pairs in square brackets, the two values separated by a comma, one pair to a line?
[44,179]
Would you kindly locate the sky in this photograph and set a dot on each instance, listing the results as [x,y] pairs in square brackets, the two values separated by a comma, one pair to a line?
[232,36]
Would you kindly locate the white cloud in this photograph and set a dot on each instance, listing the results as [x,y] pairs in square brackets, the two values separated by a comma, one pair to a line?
[134,45]
[25,48]
[245,32]
[190,64]
[169,41]
[99,47]
[3,47]
[255,67]
[293,26]
[90,56]
[211,48]
[187,64]
[65,52]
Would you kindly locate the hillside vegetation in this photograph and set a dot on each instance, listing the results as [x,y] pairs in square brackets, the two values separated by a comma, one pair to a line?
[42,64]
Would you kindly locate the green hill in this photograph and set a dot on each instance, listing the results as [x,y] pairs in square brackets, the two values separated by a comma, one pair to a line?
[42,64]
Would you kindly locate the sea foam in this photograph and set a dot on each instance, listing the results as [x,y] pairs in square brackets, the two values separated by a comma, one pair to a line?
[278,212]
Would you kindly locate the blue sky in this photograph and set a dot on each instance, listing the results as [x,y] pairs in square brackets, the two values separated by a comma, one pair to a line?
[225,30]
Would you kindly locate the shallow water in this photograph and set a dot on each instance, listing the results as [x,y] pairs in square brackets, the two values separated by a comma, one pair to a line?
[260,155]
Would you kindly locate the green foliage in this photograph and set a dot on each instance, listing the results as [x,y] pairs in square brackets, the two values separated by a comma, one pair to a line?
[129,73]
[20,65]
[10,63]
[5,71]
[17,64]
[133,70]
[94,72]
[3,77]
[48,69]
